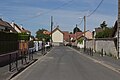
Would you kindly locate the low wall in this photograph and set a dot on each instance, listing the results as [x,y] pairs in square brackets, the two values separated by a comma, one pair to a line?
[107,45]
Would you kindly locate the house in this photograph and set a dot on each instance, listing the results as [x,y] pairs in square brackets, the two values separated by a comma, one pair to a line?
[115,30]
[6,27]
[88,35]
[57,37]
[19,29]
[46,32]
[72,37]
[80,38]
[96,30]
[24,42]
[66,37]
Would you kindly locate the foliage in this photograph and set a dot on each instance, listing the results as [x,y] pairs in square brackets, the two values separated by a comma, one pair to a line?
[80,41]
[8,42]
[23,36]
[41,36]
[107,33]
[103,25]
[8,36]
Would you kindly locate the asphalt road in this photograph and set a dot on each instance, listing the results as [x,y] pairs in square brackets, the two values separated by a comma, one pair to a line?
[63,63]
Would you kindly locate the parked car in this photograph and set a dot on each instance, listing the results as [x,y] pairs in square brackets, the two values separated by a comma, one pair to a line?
[47,45]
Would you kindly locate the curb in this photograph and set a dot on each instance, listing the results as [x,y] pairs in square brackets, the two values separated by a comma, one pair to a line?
[23,68]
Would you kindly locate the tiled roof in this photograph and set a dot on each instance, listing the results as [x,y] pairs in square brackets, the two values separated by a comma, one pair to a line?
[66,35]
[11,28]
[6,25]
[46,32]
[98,30]
[57,29]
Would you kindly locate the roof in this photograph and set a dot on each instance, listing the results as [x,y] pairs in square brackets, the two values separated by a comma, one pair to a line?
[46,32]
[78,34]
[17,27]
[98,30]
[6,25]
[57,28]
[115,29]
[11,28]
[66,35]
[72,35]
[21,28]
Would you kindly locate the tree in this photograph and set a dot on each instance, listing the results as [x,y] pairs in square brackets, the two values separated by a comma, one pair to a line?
[107,33]
[76,29]
[41,36]
[103,25]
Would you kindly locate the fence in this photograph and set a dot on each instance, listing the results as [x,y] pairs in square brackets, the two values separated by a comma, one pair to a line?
[8,42]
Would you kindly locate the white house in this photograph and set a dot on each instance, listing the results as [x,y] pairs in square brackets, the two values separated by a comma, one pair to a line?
[19,29]
[81,37]
[57,37]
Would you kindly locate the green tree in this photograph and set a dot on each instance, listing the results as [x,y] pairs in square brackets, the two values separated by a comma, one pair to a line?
[103,25]
[107,33]
[40,35]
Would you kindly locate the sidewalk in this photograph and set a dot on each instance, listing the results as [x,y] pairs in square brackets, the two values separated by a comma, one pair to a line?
[105,59]
[108,60]
[5,74]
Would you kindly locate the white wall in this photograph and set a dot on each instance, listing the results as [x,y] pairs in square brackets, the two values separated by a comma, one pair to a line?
[80,45]
[57,36]
[107,45]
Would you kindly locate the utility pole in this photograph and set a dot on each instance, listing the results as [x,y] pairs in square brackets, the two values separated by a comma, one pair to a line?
[118,30]
[84,33]
[51,27]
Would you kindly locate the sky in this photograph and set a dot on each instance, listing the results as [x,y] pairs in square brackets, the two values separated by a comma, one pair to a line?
[35,14]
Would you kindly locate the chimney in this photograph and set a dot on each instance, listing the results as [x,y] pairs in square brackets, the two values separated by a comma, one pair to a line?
[21,26]
[12,24]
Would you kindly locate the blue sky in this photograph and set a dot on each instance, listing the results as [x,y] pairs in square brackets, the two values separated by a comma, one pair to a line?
[67,16]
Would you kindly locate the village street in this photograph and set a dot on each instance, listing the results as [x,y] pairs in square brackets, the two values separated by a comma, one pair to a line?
[64,63]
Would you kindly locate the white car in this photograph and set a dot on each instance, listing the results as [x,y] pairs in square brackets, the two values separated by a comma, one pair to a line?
[47,44]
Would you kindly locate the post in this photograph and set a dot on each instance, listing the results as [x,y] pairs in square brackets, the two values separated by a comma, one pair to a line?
[10,61]
[16,60]
[84,33]
[118,30]
[51,28]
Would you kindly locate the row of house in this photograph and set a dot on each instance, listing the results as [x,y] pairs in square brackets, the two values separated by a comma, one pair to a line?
[106,45]
[15,28]
[12,27]
[64,37]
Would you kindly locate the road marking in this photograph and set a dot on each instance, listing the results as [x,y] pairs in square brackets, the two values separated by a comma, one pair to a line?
[100,62]
[15,78]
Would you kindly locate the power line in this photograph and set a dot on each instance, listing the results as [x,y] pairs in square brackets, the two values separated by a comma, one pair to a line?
[81,22]
[48,11]
[95,9]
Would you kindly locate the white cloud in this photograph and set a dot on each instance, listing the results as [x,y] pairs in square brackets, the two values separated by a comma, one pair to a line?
[65,18]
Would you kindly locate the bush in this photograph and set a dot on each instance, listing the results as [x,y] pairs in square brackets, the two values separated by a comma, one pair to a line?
[23,36]
[107,33]
[8,42]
